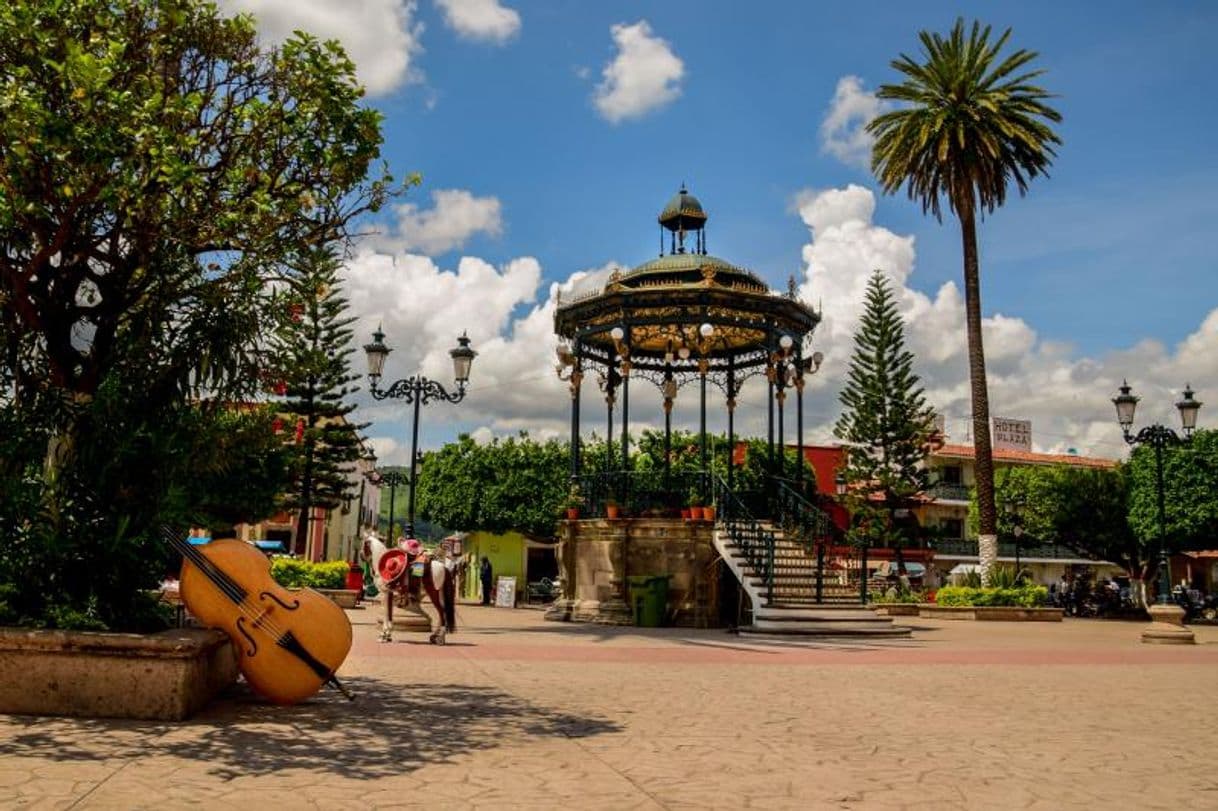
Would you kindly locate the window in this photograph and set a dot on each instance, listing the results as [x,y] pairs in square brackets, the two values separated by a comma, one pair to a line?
[951,475]
[952,528]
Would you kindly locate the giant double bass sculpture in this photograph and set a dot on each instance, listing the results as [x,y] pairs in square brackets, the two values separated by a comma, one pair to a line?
[289,643]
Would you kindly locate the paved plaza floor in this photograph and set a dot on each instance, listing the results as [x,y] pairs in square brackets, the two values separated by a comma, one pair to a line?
[516,712]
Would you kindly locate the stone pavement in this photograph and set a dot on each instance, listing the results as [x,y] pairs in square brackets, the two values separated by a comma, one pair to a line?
[519,713]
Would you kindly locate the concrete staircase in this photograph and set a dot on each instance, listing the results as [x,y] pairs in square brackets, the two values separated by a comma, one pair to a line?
[794,612]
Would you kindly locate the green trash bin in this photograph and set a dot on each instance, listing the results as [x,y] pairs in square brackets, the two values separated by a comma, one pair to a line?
[649,599]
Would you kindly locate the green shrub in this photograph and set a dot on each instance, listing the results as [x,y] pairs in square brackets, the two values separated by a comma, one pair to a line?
[900,596]
[296,573]
[1027,596]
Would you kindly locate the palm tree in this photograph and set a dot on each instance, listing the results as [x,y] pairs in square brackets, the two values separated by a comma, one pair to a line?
[970,124]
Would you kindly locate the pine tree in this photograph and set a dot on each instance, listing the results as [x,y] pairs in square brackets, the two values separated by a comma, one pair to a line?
[312,347]
[885,420]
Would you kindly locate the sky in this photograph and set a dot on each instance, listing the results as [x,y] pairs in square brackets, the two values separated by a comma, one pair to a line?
[550,134]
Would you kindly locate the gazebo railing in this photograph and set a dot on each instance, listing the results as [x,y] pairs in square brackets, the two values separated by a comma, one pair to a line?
[641,492]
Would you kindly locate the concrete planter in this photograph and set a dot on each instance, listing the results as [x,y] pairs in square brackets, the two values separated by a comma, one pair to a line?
[165,677]
[997,613]
[896,609]
[345,598]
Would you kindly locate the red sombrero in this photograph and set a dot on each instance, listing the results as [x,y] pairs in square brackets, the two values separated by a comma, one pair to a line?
[392,565]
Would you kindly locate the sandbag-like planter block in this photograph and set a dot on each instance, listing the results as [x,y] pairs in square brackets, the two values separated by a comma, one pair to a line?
[344,598]
[896,609]
[998,613]
[166,676]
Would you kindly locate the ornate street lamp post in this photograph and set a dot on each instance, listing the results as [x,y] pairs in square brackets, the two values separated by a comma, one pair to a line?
[1014,508]
[393,479]
[417,391]
[1168,619]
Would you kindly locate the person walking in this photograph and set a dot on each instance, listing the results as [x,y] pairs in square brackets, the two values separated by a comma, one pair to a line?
[486,574]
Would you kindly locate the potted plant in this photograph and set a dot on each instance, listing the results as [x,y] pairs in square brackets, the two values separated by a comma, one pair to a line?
[695,506]
[612,510]
[708,512]
[572,503]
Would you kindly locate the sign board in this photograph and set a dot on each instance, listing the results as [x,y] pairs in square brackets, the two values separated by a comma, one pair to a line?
[505,592]
[1015,435]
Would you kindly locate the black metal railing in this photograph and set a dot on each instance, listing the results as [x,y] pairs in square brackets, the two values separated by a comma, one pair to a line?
[642,492]
[745,533]
[951,492]
[801,520]
[1006,549]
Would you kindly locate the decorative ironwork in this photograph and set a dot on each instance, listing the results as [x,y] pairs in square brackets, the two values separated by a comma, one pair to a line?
[417,387]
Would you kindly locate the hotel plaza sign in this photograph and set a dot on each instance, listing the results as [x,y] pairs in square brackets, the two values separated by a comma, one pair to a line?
[1014,435]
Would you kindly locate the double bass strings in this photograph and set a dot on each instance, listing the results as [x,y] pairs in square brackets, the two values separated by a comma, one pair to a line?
[226,586]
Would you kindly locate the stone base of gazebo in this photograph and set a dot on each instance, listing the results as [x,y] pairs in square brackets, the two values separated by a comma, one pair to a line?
[598,556]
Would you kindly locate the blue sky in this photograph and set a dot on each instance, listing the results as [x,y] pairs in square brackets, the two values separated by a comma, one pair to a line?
[497,99]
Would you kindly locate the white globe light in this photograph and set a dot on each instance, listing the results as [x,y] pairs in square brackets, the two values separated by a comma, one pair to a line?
[785,342]
[706,330]
[683,353]
[617,333]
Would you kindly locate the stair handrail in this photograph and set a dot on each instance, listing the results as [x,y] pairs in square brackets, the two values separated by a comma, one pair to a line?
[746,533]
[800,519]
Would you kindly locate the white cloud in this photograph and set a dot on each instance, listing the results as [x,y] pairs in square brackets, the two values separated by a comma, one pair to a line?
[509,313]
[480,19]
[455,216]
[843,131]
[380,36]
[1066,397]
[644,76]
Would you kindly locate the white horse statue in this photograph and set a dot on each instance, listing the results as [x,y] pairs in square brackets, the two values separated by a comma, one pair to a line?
[439,580]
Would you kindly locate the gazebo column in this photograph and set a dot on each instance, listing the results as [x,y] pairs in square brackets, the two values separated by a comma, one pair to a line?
[670,393]
[577,376]
[780,398]
[611,381]
[703,367]
[799,421]
[769,373]
[625,427]
[731,420]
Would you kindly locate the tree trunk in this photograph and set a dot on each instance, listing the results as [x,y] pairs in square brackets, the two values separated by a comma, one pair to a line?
[983,459]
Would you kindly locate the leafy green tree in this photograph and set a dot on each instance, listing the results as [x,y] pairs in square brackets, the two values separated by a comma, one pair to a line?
[156,162]
[158,166]
[971,123]
[885,422]
[312,349]
[1083,509]
[515,484]
[1190,485]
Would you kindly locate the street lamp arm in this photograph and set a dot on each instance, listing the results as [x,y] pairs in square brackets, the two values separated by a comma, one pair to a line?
[1156,436]
[418,388]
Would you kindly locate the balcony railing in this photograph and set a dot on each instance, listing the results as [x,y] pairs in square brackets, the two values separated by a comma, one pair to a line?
[1006,549]
[951,492]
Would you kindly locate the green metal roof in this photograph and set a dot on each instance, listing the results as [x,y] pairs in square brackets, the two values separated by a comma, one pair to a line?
[683,205]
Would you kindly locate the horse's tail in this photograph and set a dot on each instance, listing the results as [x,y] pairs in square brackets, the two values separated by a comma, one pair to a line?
[450,601]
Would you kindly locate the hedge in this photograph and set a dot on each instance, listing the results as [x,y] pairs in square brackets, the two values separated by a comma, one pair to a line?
[293,573]
[1028,596]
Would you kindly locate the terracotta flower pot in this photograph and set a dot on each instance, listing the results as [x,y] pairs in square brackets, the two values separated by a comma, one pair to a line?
[708,513]
[685,513]
[572,513]
[612,511]
[695,513]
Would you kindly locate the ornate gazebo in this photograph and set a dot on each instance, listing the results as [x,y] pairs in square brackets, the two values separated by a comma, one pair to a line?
[684,318]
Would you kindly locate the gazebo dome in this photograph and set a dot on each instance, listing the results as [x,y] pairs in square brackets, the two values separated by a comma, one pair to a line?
[683,212]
